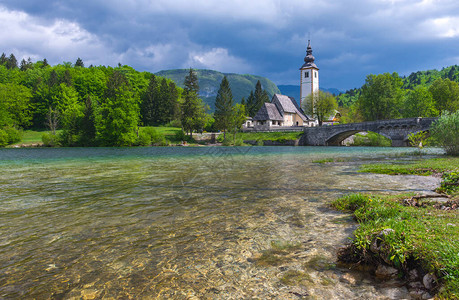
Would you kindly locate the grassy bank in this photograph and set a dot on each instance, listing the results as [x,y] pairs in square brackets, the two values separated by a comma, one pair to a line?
[269,136]
[422,167]
[423,237]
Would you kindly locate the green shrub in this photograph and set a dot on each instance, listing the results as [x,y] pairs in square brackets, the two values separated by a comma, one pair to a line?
[239,142]
[174,123]
[227,142]
[371,139]
[49,139]
[14,135]
[3,138]
[144,139]
[445,132]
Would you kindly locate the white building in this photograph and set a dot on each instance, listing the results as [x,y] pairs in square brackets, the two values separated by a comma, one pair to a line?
[309,72]
[284,111]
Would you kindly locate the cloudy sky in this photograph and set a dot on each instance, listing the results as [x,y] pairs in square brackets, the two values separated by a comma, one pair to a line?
[350,38]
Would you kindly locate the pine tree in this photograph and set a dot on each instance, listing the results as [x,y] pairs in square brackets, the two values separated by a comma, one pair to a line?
[67,78]
[23,66]
[53,79]
[174,101]
[79,63]
[3,59]
[191,82]
[88,124]
[193,109]
[243,101]
[250,106]
[224,106]
[12,62]
[149,103]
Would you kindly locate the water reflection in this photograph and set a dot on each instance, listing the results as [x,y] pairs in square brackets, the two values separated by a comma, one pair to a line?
[181,223]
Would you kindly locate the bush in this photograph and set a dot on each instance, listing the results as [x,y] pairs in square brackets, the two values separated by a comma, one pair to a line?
[144,139]
[14,135]
[3,138]
[174,123]
[445,132]
[49,139]
[149,136]
[371,139]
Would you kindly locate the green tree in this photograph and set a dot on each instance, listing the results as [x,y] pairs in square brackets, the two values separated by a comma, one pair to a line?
[88,124]
[149,103]
[118,113]
[251,106]
[12,62]
[261,97]
[3,59]
[224,107]
[71,113]
[193,109]
[194,115]
[445,132]
[15,107]
[445,94]
[419,103]
[79,63]
[238,117]
[381,97]
[320,105]
[191,82]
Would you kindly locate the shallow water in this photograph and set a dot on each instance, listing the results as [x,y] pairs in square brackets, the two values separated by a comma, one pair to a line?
[184,223]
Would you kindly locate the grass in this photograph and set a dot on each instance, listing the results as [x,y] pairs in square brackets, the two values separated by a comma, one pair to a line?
[34,136]
[427,236]
[269,136]
[423,167]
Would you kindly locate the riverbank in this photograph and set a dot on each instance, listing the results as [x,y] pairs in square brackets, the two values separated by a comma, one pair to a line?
[414,237]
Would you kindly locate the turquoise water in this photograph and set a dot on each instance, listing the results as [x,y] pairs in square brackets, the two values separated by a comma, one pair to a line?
[181,222]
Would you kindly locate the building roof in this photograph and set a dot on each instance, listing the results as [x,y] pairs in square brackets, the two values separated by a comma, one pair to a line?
[268,111]
[286,104]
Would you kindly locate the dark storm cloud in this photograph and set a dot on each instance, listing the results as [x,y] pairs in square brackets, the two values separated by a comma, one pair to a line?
[350,38]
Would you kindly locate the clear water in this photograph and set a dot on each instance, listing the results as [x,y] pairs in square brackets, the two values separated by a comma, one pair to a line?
[183,223]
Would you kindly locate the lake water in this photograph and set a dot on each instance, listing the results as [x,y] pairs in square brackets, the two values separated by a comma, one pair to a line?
[184,222]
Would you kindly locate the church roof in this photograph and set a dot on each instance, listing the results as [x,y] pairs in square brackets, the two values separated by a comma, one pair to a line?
[268,111]
[289,105]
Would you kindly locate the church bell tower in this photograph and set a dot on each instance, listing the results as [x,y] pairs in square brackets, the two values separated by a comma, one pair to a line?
[309,81]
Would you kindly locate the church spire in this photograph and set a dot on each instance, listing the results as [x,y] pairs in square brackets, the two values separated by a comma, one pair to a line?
[309,58]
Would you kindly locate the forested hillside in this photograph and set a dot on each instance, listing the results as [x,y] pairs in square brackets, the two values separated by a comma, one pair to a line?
[209,82]
[385,96]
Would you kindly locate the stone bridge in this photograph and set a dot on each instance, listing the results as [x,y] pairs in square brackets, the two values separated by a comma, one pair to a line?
[397,130]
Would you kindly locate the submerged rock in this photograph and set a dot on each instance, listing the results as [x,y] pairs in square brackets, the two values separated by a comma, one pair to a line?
[429,281]
[386,272]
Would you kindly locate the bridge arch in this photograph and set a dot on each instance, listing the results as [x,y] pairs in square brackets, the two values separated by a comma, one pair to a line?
[338,138]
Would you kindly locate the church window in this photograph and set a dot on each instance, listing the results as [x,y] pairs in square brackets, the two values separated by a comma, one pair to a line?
[315,74]
[306,75]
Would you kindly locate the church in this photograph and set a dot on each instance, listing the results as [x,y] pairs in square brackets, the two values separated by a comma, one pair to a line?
[283,111]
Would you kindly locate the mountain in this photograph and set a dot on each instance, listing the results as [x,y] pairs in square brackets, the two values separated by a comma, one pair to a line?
[294,91]
[209,83]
